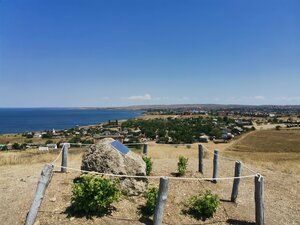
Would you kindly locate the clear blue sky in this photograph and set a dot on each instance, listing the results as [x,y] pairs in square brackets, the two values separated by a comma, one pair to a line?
[129,52]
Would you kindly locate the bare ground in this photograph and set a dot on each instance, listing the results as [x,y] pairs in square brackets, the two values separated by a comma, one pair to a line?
[282,190]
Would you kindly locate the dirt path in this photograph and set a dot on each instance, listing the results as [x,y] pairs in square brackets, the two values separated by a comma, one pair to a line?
[17,184]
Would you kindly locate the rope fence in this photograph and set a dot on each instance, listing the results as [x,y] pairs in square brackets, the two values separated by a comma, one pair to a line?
[152,177]
[164,181]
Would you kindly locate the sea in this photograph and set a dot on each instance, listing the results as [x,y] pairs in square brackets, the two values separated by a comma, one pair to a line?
[20,120]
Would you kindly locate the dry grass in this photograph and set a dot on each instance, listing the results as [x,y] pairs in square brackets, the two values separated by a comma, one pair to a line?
[18,138]
[276,150]
[32,156]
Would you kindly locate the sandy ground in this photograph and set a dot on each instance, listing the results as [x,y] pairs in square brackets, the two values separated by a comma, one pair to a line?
[282,201]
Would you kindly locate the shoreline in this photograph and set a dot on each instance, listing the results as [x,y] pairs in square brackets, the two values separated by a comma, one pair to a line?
[141,114]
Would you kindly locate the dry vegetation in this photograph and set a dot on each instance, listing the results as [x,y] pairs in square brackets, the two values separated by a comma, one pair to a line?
[32,156]
[274,149]
[261,150]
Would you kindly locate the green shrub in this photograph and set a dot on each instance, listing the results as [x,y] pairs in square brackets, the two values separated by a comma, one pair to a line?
[182,164]
[94,194]
[151,196]
[3,148]
[16,146]
[204,205]
[149,164]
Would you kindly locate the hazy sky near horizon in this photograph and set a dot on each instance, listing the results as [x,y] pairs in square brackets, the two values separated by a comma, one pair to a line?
[132,52]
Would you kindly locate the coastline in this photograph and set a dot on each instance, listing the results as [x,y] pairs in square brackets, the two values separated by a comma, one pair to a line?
[81,124]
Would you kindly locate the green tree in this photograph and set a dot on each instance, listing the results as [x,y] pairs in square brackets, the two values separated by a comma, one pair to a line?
[216,132]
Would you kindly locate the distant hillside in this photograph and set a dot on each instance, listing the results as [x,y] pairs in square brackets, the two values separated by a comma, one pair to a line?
[209,107]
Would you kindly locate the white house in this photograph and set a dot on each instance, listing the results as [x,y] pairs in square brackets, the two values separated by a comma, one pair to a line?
[42,148]
[37,135]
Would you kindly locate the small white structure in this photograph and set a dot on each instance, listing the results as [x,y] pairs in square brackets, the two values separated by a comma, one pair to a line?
[43,148]
[203,138]
[37,135]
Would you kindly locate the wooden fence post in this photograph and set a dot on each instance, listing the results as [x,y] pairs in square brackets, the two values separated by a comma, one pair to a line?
[39,194]
[201,156]
[259,200]
[161,201]
[236,181]
[216,166]
[145,149]
[64,159]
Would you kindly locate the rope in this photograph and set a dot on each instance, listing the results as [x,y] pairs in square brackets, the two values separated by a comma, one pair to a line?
[80,144]
[157,177]
[58,155]
[231,159]
[154,177]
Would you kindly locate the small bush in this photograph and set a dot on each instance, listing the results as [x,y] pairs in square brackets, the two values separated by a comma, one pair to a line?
[182,165]
[16,146]
[151,196]
[149,164]
[3,148]
[93,194]
[188,146]
[204,205]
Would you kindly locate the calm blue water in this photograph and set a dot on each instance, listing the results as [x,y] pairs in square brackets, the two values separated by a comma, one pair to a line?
[19,120]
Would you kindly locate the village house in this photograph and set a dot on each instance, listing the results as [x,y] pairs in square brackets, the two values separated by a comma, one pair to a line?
[203,138]
[37,135]
[43,148]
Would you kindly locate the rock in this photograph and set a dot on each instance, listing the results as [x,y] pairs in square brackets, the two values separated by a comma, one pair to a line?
[104,158]
[52,199]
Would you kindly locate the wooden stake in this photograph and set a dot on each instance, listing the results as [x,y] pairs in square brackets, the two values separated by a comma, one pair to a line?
[145,149]
[259,200]
[215,166]
[201,156]
[64,159]
[39,194]
[161,201]
[236,181]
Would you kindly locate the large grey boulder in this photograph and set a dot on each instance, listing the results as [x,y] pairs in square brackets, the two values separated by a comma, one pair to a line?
[104,158]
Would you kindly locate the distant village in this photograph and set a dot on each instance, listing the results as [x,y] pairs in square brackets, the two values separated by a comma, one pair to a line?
[168,126]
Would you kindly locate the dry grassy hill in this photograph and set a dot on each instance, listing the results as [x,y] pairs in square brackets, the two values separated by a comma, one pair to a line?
[275,149]
[18,183]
